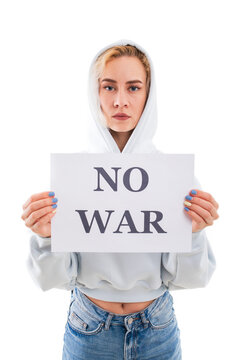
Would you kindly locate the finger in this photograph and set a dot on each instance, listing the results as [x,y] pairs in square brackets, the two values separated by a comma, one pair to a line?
[205,196]
[36,215]
[198,219]
[44,220]
[36,205]
[204,214]
[39,196]
[204,204]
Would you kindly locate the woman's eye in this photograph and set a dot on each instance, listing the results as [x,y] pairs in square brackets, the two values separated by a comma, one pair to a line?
[107,87]
[134,87]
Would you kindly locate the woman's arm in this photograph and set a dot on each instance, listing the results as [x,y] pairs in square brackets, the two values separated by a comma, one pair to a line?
[51,269]
[189,270]
[193,269]
[48,269]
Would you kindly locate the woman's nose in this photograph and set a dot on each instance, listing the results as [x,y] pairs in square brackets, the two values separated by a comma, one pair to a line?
[120,99]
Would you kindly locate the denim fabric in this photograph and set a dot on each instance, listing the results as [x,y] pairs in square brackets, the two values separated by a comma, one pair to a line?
[91,333]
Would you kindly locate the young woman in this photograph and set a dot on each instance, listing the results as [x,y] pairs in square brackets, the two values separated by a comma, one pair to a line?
[121,307]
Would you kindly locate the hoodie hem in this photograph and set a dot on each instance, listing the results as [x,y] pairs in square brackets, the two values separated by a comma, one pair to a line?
[136,294]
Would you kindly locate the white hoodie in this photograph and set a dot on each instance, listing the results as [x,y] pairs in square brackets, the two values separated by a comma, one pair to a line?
[122,277]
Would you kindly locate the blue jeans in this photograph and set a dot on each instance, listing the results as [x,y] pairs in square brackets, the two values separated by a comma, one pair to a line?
[91,333]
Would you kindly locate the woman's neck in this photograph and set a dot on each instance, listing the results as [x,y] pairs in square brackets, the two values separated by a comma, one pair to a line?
[121,138]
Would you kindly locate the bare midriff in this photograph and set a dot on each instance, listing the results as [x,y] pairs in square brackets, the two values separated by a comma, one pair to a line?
[121,308]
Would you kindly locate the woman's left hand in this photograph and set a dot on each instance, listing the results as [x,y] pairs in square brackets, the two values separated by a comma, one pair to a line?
[202,208]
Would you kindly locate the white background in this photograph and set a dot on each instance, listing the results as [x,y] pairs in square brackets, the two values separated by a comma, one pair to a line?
[46,48]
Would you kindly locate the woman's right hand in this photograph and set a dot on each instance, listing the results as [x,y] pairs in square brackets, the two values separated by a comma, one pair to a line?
[38,211]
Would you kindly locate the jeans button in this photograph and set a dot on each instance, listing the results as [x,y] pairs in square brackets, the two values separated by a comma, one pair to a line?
[130,321]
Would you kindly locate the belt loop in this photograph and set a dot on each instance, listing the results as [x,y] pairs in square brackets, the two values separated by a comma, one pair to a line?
[108,321]
[144,320]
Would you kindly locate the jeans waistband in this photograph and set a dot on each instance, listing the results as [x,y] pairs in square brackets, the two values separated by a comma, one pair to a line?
[107,317]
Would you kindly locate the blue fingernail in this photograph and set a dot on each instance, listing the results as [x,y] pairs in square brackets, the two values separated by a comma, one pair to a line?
[54,206]
[51,193]
[188,197]
[194,192]
[54,200]
[187,209]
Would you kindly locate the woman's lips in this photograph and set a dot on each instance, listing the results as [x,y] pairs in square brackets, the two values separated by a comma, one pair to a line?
[121,117]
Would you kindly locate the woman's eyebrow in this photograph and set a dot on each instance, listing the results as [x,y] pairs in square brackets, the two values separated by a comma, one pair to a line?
[133,81]
[127,82]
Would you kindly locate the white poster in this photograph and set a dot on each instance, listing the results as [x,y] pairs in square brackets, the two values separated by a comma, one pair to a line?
[121,202]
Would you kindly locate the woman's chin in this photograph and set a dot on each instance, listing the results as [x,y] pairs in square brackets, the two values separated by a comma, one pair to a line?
[121,128]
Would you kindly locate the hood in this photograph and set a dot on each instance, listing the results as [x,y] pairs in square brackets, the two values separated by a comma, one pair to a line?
[140,141]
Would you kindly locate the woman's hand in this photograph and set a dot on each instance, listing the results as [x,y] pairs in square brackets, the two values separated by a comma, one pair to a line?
[202,208]
[39,209]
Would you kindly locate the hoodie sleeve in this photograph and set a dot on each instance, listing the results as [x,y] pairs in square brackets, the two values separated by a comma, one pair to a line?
[193,269]
[189,270]
[51,269]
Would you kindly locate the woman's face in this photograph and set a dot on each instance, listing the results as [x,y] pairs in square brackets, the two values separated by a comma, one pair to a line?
[122,90]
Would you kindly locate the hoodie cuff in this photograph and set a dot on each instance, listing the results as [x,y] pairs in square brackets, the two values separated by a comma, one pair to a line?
[43,241]
[198,240]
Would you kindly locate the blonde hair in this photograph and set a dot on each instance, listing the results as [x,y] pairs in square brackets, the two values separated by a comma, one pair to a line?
[122,50]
